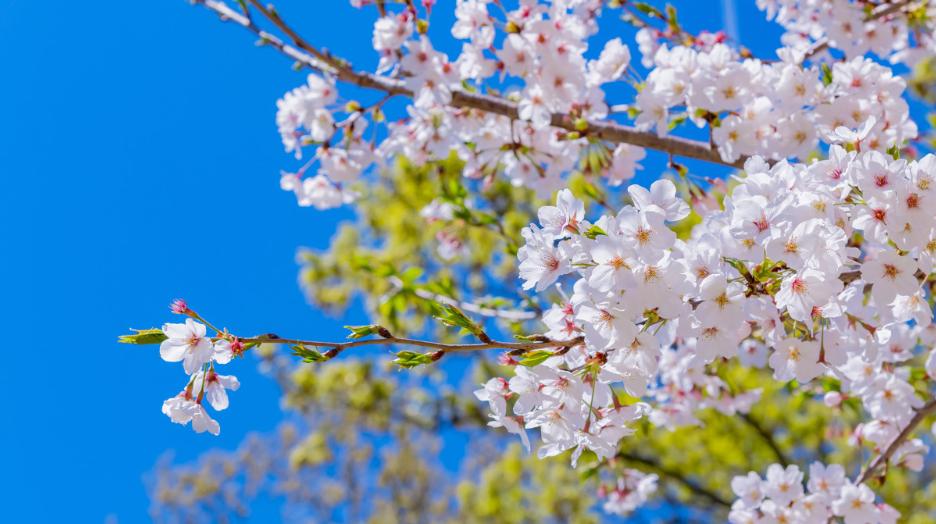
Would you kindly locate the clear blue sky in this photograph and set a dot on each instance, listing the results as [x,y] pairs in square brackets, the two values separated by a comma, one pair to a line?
[139,162]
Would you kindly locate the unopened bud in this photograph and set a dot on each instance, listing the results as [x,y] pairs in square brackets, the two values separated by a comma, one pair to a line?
[179,307]
[507,360]
[237,347]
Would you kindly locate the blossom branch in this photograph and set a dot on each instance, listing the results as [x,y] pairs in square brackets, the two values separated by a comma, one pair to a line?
[880,460]
[881,11]
[389,339]
[327,63]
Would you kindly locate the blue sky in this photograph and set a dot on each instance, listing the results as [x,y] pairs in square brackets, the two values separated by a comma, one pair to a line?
[140,162]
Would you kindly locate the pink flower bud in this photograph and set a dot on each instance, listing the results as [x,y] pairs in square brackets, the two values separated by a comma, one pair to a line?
[237,347]
[179,307]
[507,360]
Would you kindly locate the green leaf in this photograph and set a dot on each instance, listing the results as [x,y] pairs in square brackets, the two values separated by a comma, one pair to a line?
[411,274]
[648,9]
[362,331]
[412,359]
[677,121]
[826,74]
[535,357]
[740,267]
[673,20]
[594,232]
[530,338]
[454,317]
[143,336]
[453,191]
[894,151]
[308,354]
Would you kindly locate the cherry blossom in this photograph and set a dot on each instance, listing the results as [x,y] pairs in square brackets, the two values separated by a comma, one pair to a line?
[187,343]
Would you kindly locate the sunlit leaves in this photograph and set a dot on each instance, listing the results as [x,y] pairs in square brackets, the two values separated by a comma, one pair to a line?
[143,336]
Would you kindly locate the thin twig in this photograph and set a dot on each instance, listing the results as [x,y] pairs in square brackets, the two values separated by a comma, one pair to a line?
[312,57]
[438,346]
[922,413]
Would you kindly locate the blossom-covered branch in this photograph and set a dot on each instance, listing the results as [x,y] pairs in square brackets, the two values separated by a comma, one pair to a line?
[190,344]
[883,10]
[884,456]
[441,347]
[326,63]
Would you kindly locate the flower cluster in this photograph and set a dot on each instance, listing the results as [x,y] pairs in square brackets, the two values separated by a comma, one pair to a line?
[544,48]
[780,497]
[305,116]
[189,343]
[775,110]
[825,264]
[846,26]
[630,491]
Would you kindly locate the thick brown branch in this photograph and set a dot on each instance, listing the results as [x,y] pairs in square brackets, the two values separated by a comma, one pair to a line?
[880,460]
[311,57]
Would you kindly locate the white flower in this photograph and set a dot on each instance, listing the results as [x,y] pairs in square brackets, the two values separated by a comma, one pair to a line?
[611,64]
[215,387]
[183,409]
[783,485]
[541,263]
[826,479]
[803,294]
[624,163]
[855,504]
[202,422]
[390,32]
[661,198]
[180,408]
[565,217]
[797,359]
[890,275]
[187,343]
[749,489]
